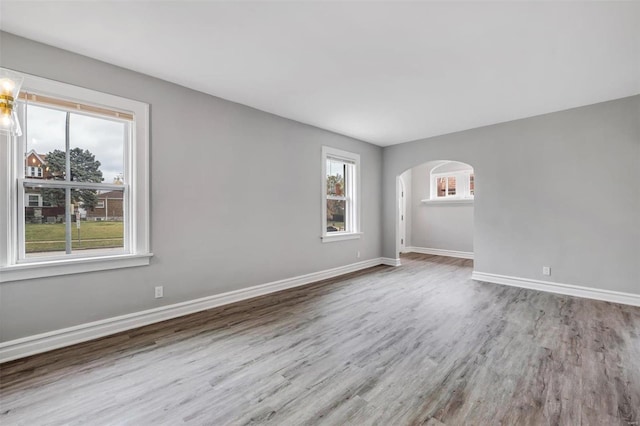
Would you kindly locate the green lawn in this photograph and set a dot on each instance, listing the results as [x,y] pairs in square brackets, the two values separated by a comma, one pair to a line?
[338,225]
[51,237]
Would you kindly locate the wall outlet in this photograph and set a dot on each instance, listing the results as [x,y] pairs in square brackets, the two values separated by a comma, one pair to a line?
[546,270]
[358,254]
[159,292]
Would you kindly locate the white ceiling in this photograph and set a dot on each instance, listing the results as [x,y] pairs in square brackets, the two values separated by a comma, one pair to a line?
[383,72]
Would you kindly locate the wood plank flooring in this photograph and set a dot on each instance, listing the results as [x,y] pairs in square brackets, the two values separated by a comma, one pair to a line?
[420,344]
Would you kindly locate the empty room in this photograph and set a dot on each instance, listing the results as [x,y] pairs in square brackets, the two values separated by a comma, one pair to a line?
[319,213]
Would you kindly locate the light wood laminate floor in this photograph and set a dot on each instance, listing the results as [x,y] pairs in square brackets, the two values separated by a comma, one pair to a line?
[417,344]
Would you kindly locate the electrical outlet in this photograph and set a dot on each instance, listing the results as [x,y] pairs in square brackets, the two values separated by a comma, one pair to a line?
[546,270]
[159,292]
[358,254]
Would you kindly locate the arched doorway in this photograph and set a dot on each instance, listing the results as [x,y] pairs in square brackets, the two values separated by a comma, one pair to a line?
[436,209]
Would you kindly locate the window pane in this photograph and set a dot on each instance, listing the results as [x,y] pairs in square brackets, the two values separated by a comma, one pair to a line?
[451,185]
[101,227]
[336,215]
[92,230]
[336,171]
[44,227]
[96,146]
[97,149]
[471,185]
[442,186]
[44,133]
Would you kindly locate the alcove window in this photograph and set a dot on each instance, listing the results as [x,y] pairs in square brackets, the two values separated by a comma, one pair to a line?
[452,180]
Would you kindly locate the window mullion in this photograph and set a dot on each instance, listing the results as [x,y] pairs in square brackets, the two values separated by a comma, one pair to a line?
[465,180]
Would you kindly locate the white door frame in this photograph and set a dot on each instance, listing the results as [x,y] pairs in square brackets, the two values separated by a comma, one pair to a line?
[402,216]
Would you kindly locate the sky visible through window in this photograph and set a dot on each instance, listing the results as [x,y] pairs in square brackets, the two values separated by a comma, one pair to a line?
[45,132]
[335,168]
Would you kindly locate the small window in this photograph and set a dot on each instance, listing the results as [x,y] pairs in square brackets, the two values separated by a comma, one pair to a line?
[32,171]
[340,175]
[100,204]
[33,200]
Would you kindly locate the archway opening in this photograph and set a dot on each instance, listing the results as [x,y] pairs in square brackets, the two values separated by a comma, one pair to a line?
[436,209]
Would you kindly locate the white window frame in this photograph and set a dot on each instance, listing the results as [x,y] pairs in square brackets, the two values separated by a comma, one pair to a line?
[100,204]
[31,194]
[34,171]
[13,266]
[352,195]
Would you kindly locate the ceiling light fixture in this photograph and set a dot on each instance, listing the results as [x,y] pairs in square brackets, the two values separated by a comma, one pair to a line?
[10,83]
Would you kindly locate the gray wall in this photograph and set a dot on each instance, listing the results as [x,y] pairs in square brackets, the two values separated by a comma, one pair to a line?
[560,189]
[254,215]
[445,226]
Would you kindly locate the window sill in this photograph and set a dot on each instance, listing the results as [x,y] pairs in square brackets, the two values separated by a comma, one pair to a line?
[329,238]
[71,266]
[450,201]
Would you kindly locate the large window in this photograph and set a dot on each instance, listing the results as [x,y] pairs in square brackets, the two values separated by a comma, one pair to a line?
[78,150]
[340,194]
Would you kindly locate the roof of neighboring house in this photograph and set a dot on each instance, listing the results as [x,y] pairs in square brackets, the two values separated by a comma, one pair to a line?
[41,157]
[111,194]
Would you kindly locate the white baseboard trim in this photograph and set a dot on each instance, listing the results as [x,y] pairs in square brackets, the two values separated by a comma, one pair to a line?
[440,252]
[390,261]
[44,342]
[567,289]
